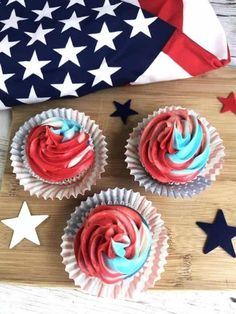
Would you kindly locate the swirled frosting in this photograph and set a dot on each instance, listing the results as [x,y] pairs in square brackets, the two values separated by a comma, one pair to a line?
[174,147]
[113,243]
[59,149]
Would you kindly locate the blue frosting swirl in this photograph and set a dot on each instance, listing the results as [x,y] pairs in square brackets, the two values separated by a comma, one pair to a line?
[188,145]
[129,267]
[66,128]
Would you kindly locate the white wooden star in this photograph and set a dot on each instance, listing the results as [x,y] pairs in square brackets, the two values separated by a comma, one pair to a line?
[68,88]
[45,12]
[73,22]
[69,53]
[33,98]
[3,78]
[24,226]
[105,38]
[73,2]
[107,8]
[22,2]
[34,66]
[12,21]
[103,73]
[141,24]
[38,35]
[6,45]
[2,106]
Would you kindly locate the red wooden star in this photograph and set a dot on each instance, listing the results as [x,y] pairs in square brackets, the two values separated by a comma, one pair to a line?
[229,103]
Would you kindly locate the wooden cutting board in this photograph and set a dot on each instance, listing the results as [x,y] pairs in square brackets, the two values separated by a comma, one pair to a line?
[187,267]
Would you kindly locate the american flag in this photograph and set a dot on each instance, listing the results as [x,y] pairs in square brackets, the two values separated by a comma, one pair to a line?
[52,49]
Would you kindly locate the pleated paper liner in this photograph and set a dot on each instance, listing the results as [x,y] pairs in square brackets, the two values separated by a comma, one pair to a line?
[150,272]
[199,184]
[37,186]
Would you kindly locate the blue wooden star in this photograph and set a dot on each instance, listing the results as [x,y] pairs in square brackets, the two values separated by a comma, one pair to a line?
[218,234]
[123,111]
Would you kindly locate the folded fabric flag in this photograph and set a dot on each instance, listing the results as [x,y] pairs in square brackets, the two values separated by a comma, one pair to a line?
[52,49]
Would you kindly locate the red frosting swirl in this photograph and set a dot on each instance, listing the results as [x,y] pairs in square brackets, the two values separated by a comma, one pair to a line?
[157,144]
[93,242]
[54,160]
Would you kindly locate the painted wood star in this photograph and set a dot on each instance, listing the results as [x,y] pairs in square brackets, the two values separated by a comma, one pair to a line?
[24,226]
[219,234]
[229,103]
[123,110]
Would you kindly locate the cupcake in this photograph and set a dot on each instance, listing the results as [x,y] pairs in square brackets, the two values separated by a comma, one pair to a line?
[175,152]
[58,153]
[115,244]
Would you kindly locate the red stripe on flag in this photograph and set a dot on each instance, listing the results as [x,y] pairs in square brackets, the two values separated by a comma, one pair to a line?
[190,56]
[170,11]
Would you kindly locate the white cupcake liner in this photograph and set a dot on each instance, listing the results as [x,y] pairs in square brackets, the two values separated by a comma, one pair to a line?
[130,287]
[35,185]
[199,184]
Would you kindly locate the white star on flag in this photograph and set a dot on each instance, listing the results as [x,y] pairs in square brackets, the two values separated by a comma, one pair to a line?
[33,98]
[3,78]
[73,22]
[69,53]
[22,2]
[107,8]
[105,38]
[68,88]
[12,21]
[45,12]
[141,24]
[6,45]
[38,35]
[24,226]
[33,66]
[73,2]
[103,73]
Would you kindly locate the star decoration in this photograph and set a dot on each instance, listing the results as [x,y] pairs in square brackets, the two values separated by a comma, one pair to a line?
[73,22]
[218,234]
[141,24]
[33,98]
[12,21]
[2,106]
[229,103]
[105,38]
[103,73]
[68,88]
[34,66]
[45,12]
[6,45]
[24,226]
[3,78]
[73,2]
[22,2]
[107,8]
[123,110]
[69,53]
[38,35]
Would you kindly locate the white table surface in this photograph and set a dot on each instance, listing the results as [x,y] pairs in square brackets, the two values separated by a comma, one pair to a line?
[20,299]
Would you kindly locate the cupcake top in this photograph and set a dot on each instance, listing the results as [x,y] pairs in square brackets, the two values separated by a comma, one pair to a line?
[174,146]
[59,149]
[113,243]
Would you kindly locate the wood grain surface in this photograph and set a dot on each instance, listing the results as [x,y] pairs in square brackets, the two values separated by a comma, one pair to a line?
[187,267]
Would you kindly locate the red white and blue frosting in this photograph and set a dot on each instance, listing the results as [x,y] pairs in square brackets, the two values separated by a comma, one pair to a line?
[174,146]
[59,149]
[113,243]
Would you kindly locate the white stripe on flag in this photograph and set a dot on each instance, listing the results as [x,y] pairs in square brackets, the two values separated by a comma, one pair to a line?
[202,26]
[134,2]
[163,68]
